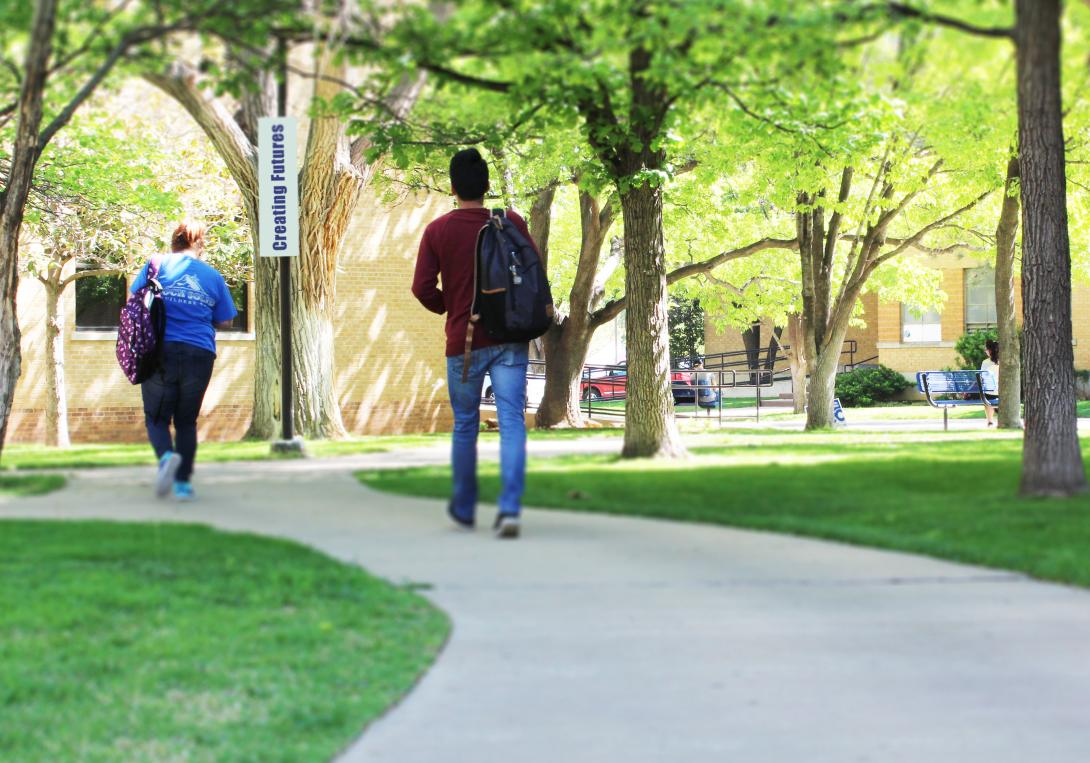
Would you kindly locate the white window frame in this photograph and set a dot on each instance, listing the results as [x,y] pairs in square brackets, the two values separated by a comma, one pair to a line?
[920,325]
[990,318]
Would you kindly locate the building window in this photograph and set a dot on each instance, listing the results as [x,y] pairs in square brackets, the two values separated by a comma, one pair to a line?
[99,300]
[920,324]
[980,299]
[240,293]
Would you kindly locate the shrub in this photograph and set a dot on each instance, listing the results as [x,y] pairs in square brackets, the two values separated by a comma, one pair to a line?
[970,348]
[868,386]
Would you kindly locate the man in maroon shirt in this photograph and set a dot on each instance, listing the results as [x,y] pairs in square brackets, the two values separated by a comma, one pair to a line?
[448,252]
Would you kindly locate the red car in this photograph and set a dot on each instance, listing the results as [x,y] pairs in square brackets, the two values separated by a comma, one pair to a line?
[610,384]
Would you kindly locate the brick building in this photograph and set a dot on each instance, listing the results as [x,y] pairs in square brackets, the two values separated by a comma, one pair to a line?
[906,340]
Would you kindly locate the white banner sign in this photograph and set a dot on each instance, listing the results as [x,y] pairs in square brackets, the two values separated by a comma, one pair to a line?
[278,187]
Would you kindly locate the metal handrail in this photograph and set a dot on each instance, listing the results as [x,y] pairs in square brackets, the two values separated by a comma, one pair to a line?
[755,378]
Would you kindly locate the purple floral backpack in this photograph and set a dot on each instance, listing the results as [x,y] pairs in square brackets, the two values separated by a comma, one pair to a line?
[140,330]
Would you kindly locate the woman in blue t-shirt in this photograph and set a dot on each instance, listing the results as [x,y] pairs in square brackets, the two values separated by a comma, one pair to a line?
[197,302]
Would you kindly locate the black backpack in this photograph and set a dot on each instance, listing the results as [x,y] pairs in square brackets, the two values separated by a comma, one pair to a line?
[512,300]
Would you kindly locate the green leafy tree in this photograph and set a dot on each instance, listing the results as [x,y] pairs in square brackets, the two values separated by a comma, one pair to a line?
[686,330]
[879,167]
[626,75]
[1052,459]
[56,54]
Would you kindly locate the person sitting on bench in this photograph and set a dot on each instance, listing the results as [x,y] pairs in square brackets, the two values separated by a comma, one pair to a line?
[990,366]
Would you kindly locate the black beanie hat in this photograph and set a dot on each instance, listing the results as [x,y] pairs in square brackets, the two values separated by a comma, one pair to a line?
[469,174]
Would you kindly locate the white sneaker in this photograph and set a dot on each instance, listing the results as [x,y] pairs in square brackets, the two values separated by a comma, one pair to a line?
[168,467]
[506,526]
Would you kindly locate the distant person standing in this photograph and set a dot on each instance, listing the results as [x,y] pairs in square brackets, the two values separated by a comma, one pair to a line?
[707,388]
[197,302]
[448,251]
[991,367]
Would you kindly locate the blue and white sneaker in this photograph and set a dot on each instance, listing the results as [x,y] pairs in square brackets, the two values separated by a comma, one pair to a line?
[183,491]
[168,467]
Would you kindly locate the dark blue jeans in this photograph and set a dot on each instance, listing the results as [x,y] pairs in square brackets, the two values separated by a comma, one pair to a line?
[174,394]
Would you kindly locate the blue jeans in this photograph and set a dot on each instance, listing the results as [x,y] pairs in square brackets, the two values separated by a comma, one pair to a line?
[506,365]
[174,393]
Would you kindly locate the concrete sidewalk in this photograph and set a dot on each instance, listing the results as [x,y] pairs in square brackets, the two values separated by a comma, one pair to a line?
[600,639]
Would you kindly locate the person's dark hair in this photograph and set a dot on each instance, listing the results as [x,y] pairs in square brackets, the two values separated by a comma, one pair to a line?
[469,174]
[992,348]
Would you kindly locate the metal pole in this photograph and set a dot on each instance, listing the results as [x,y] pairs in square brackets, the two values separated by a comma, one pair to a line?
[719,394]
[287,407]
[758,398]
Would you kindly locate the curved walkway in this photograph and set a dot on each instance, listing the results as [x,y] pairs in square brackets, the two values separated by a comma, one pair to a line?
[608,639]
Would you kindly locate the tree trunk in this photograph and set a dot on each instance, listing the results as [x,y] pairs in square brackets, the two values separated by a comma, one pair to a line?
[541,221]
[822,388]
[329,189]
[650,426]
[265,421]
[24,157]
[1010,358]
[751,340]
[796,358]
[566,352]
[773,348]
[824,367]
[567,343]
[56,400]
[1052,462]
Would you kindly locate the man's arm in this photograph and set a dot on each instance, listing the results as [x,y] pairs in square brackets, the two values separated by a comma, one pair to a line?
[426,279]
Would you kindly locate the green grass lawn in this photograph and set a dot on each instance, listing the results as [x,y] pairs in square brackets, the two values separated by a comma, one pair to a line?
[19,456]
[951,497]
[122,643]
[12,486]
[687,409]
[913,412]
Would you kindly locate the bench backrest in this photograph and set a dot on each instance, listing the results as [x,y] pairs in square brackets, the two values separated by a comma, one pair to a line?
[955,382]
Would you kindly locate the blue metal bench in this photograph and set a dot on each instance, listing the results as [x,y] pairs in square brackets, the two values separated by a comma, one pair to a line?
[967,387]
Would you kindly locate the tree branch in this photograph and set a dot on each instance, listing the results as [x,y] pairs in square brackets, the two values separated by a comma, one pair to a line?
[907,11]
[834,221]
[614,307]
[133,38]
[180,81]
[397,104]
[741,290]
[887,217]
[915,238]
[95,273]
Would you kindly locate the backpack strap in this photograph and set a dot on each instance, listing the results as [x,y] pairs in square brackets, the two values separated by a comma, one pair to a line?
[154,266]
[474,316]
[499,215]
[468,357]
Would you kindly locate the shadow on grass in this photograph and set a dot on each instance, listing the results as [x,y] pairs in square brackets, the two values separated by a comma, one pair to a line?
[949,499]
